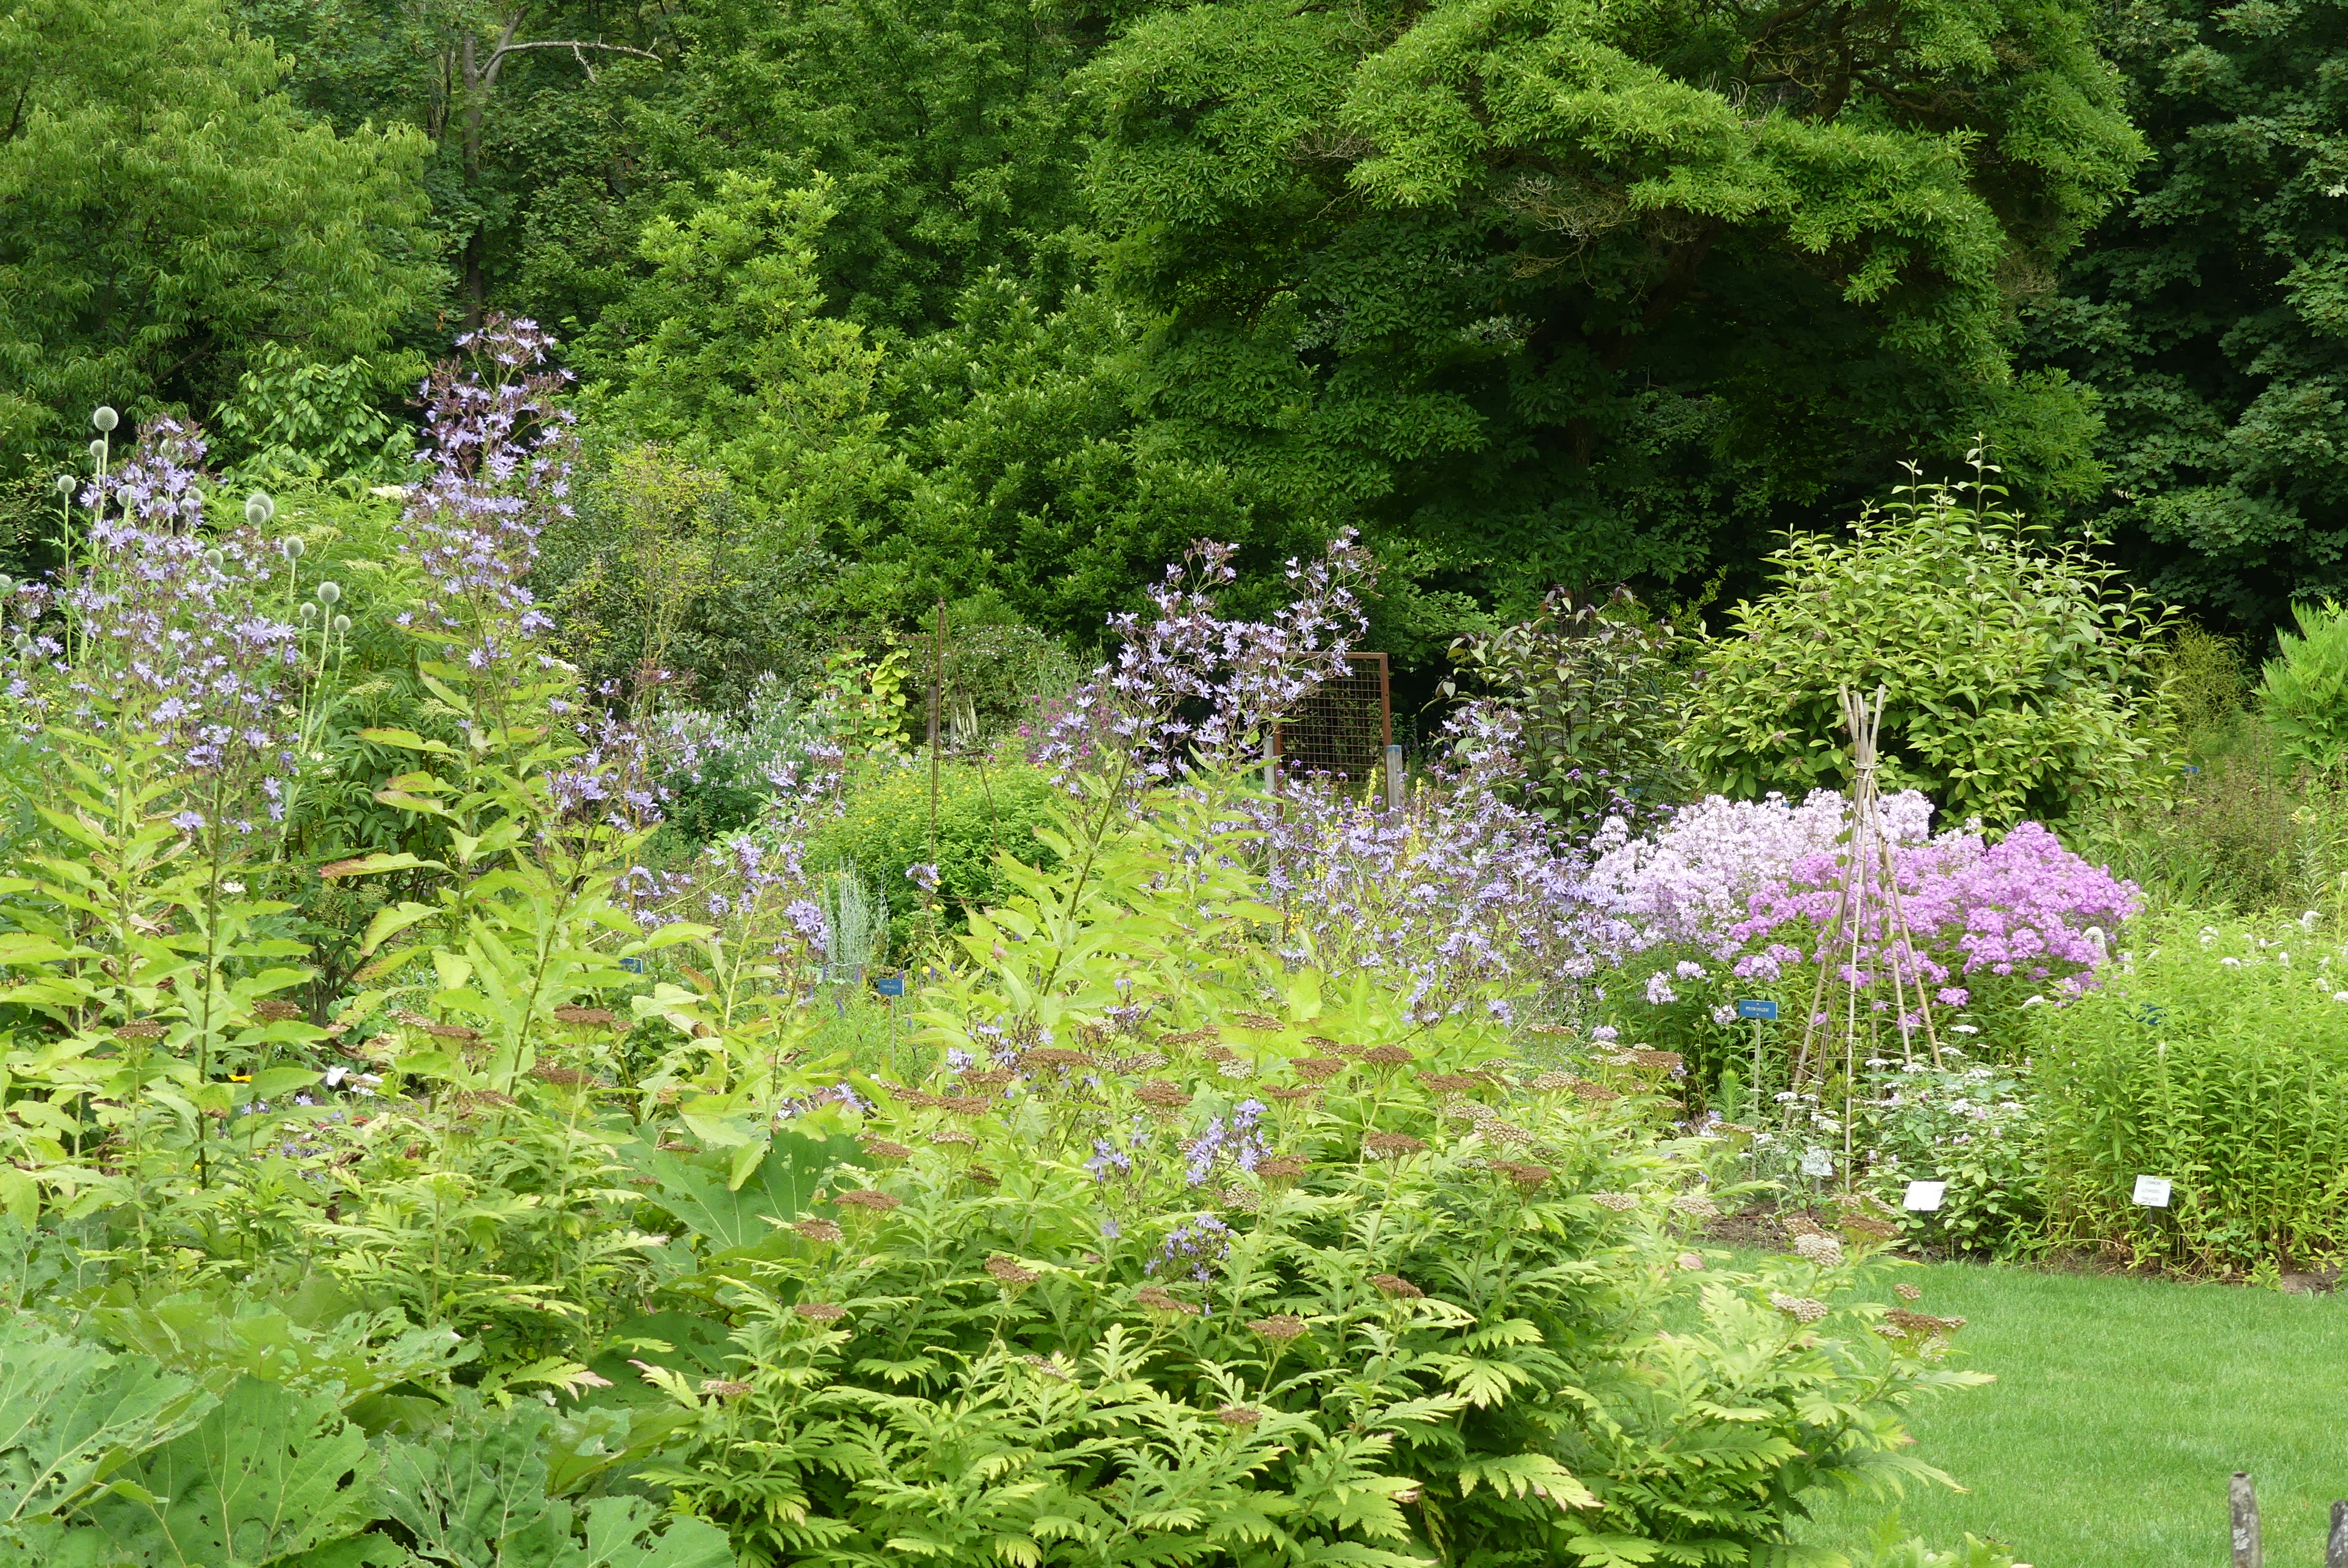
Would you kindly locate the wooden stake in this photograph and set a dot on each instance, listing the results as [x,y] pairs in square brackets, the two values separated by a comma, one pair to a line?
[1393,778]
[2249,1551]
[2335,1550]
[937,694]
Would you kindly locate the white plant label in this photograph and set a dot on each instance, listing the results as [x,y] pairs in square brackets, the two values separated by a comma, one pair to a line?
[2152,1191]
[1923,1197]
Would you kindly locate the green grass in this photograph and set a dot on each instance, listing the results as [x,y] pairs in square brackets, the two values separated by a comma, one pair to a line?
[2120,1409]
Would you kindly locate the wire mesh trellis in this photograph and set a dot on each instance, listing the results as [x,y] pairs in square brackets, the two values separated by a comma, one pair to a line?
[1864,936]
[1343,729]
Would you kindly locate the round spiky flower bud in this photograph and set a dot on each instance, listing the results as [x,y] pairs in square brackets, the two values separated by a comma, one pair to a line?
[342,623]
[259,508]
[328,592]
[7,585]
[309,612]
[65,485]
[294,549]
[23,640]
[98,451]
[216,560]
[104,418]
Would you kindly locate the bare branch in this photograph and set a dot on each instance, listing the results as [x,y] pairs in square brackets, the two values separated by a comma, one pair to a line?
[578,47]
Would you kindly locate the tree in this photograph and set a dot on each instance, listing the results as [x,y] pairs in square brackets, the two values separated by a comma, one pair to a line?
[2019,679]
[512,93]
[164,210]
[2211,311]
[1551,292]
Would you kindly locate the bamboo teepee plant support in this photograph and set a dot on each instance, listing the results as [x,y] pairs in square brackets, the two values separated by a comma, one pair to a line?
[1867,895]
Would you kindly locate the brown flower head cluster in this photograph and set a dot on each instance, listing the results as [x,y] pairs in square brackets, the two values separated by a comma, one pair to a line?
[1596,1093]
[871,1201]
[820,1311]
[1192,1037]
[1238,1415]
[1009,1272]
[1898,1325]
[1664,1060]
[1279,1327]
[1697,1206]
[1287,1093]
[990,1078]
[1452,1083]
[1391,1145]
[981,1176]
[455,1032]
[1907,1293]
[882,1149]
[724,1387]
[1052,1056]
[1800,1309]
[1157,1298]
[1526,1176]
[563,1077]
[1619,1202]
[1822,1250]
[1396,1285]
[1317,1069]
[1160,1095]
[817,1230]
[954,1137]
[586,1017]
[1279,1169]
[276,1010]
[1388,1056]
[1257,1020]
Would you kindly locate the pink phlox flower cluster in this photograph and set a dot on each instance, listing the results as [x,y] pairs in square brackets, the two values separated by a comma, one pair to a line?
[2024,906]
[1692,880]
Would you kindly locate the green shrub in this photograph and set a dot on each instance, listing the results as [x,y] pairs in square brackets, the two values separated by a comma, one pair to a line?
[2218,1059]
[2303,690]
[2019,680]
[1589,692]
[982,808]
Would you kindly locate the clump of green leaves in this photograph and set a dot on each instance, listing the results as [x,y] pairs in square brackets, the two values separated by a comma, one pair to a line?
[1588,693]
[2218,1059]
[2303,690]
[2020,678]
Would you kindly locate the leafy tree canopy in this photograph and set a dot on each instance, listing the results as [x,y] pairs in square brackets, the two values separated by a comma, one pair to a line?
[165,211]
[1549,289]
[2213,310]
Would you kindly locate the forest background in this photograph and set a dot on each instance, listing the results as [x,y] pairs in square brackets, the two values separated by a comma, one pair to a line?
[1005,301]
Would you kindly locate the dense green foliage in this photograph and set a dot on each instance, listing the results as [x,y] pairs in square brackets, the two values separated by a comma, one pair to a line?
[2209,313]
[1589,696]
[2218,1059]
[2303,690]
[168,213]
[2019,680]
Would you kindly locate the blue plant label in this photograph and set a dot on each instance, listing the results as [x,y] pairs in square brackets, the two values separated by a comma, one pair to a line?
[634,966]
[1756,1007]
[889,985]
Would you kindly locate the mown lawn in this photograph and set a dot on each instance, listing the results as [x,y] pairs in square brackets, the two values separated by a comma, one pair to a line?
[2121,1407]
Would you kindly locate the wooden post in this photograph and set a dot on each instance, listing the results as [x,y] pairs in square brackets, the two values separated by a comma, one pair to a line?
[2249,1551]
[1271,759]
[937,695]
[2335,1550]
[1393,778]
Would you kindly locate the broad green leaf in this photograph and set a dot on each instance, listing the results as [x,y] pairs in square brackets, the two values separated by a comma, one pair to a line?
[69,1414]
[266,1474]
